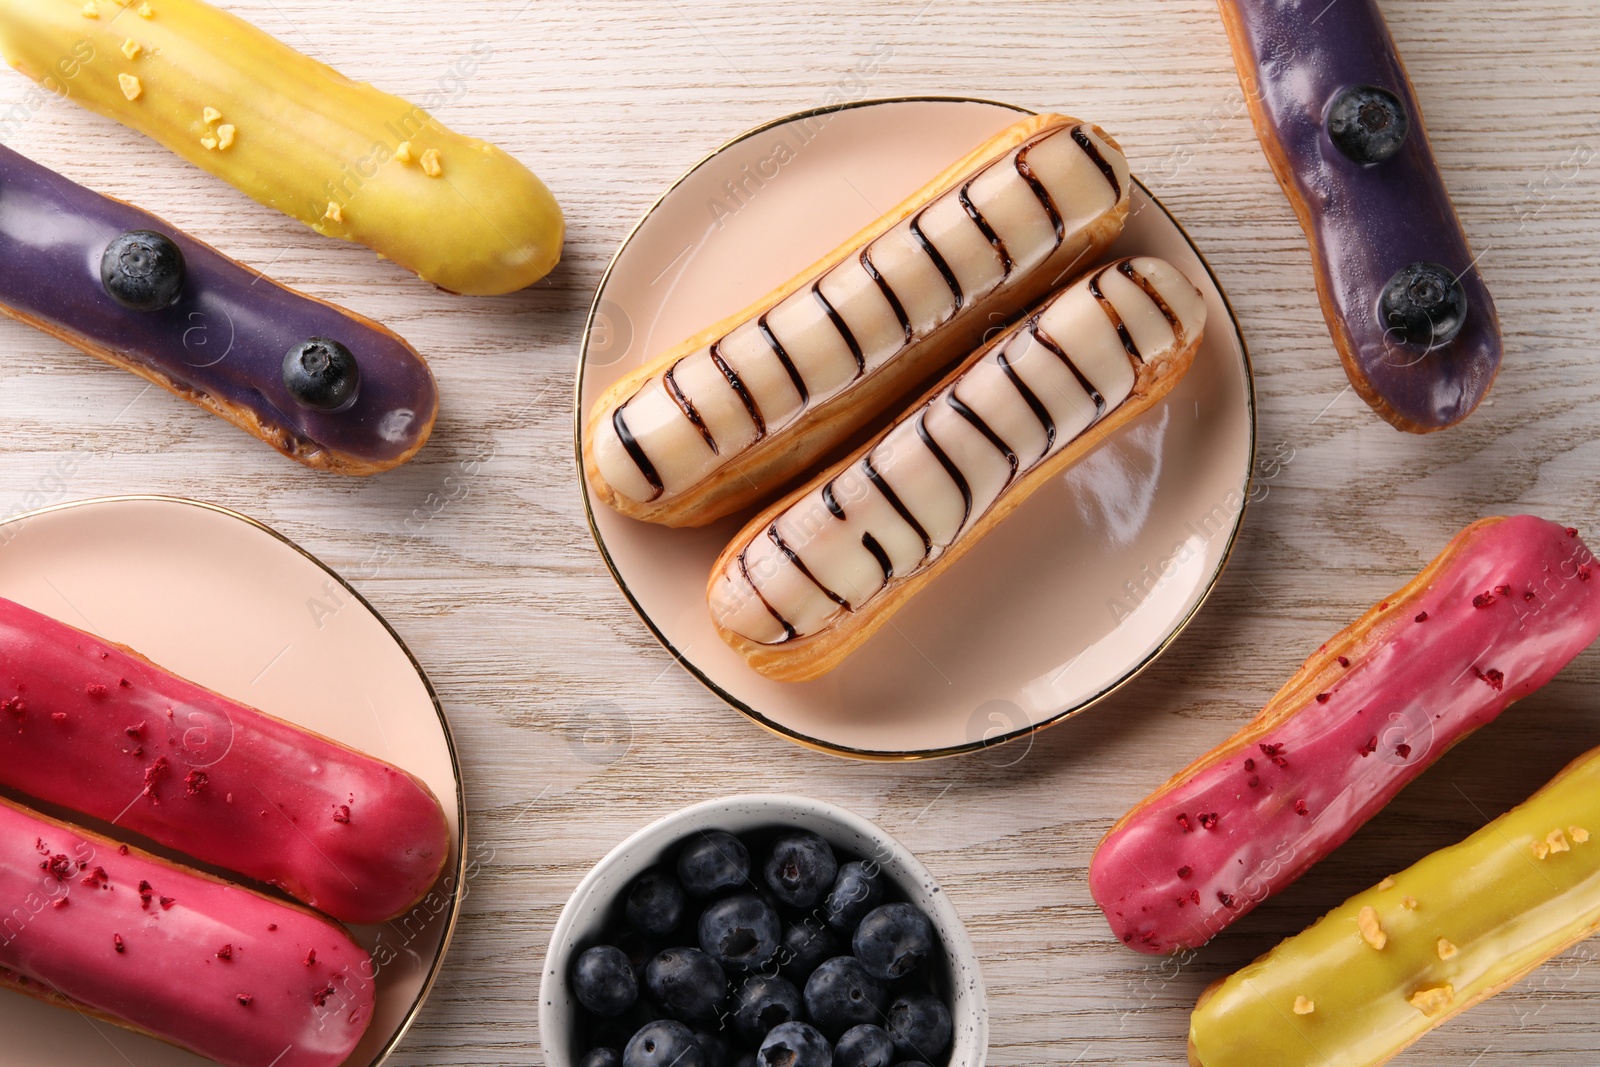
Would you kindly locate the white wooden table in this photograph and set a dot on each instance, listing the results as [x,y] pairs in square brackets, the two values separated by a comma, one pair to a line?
[576,729]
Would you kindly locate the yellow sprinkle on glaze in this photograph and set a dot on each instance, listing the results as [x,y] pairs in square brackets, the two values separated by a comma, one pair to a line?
[211,115]
[1446,949]
[1409,903]
[403,153]
[1541,850]
[1557,841]
[132,48]
[130,86]
[334,213]
[225,135]
[1371,929]
[1387,883]
[1433,1001]
[210,143]
[1304,1005]
[432,165]
[1579,834]
[90,11]
[145,12]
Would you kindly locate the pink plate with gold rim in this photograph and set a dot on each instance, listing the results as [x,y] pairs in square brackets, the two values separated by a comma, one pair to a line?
[1067,600]
[237,607]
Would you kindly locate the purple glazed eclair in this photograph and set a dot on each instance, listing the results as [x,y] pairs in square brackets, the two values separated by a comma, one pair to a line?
[1410,316]
[322,385]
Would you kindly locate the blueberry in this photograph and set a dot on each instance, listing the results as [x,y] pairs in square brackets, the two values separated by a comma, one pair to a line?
[601,1057]
[795,1045]
[801,868]
[893,940]
[805,945]
[663,1044]
[856,891]
[616,1031]
[841,994]
[713,1049]
[919,1023]
[142,270]
[321,374]
[655,902]
[1367,124]
[763,1002]
[740,932]
[603,980]
[713,861]
[687,983]
[1424,304]
[864,1046]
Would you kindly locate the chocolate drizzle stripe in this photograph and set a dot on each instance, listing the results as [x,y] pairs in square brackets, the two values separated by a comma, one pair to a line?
[839,324]
[1007,265]
[1030,398]
[783,357]
[1045,199]
[1111,313]
[1125,268]
[895,502]
[831,502]
[1092,150]
[738,386]
[949,468]
[690,412]
[933,254]
[870,543]
[888,292]
[1036,331]
[799,565]
[636,452]
[744,572]
[983,427]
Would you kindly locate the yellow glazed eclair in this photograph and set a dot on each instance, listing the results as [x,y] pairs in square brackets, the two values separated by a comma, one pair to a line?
[730,415]
[813,576]
[1390,964]
[346,159]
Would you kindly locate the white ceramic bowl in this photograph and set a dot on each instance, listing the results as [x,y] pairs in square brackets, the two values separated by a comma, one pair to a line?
[592,903]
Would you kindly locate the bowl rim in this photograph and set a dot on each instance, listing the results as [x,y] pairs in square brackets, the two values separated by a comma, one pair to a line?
[953,931]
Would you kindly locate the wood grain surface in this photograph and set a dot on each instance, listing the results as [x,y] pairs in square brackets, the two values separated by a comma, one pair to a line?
[575,728]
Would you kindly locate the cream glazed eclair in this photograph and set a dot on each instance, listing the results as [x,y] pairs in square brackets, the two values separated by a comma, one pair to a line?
[1506,605]
[1390,964]
[730,415]
[813,576]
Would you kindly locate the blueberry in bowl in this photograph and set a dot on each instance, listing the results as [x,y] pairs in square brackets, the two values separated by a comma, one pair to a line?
[774,931]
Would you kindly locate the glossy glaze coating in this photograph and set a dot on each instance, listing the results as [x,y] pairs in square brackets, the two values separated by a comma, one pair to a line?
[222,344]
[1000,226]
[1501,610]
[98,729]
[1457,927]
[895,511]
[346,159]
[215,968]
[1365,222]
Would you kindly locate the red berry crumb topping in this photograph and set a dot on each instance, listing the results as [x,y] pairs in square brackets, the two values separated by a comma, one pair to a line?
[225,953]
[116,943]
[1422,616]
[1209,820]
[1483,600]
[1300,808]
[1403,750]
[245,999]
[1184,872]
[1496,680]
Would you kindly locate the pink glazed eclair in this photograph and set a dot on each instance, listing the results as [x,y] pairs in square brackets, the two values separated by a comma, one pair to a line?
[220,970]
[96,728]
[1506,605]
